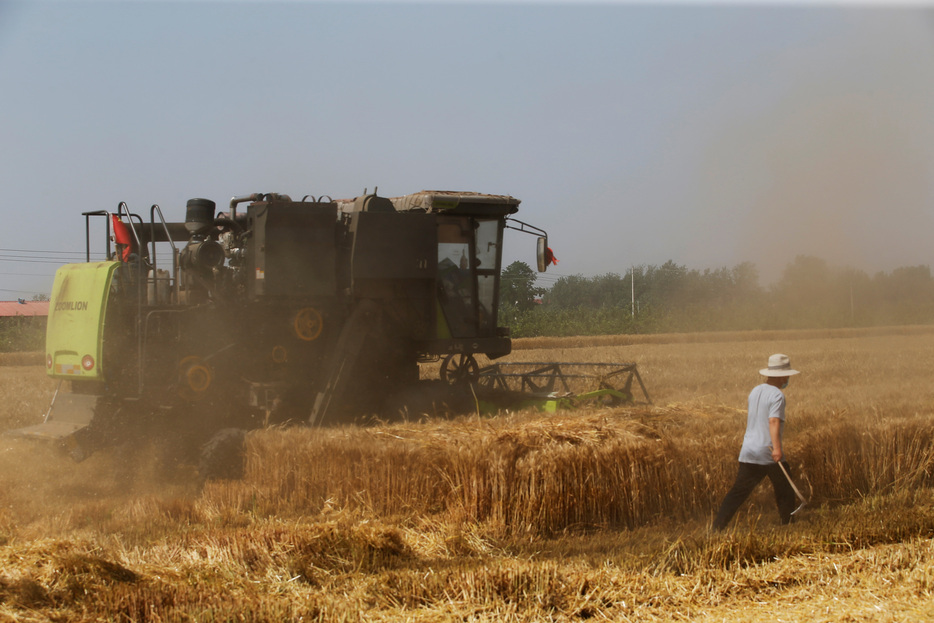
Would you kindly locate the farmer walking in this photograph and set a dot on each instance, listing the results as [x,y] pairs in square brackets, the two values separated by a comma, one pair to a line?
[762,453]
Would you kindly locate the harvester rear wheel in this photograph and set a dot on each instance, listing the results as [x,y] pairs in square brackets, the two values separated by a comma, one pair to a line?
[459,368]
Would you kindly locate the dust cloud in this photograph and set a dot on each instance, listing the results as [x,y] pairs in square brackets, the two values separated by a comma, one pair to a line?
[846,185]
[838,167]
[44,493]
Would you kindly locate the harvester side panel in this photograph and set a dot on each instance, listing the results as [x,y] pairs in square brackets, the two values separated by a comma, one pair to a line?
[388,245]
[393,261]
[75,329]
[293,251]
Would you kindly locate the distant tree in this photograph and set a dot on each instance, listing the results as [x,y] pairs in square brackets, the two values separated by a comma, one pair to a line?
[906,295]
[745,278]
[568,291]
[609,290]
[517,288]
[40,297]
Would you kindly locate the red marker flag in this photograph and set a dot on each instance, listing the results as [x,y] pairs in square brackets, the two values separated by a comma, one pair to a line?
[121,236]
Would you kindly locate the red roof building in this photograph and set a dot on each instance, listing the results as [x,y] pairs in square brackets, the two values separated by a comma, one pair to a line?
[23,308]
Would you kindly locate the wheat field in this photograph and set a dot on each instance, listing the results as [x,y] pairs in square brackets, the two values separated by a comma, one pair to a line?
[598,513]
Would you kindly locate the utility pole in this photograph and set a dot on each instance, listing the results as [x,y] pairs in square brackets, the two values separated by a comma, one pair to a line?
[852,306]
[632,286]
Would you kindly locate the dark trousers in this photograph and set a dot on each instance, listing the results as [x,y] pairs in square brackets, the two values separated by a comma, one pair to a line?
[748,476]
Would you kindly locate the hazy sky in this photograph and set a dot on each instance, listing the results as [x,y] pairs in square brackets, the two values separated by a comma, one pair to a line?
[708,134]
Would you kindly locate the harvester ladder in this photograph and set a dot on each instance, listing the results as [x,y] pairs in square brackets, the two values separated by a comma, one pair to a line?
[143,323]
[348,348]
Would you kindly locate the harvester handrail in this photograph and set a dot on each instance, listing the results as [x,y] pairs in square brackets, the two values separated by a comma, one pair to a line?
[87,233]
[524,227]
[123,209]
[155,209]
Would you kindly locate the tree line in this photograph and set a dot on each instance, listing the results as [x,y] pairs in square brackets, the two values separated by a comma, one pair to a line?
[810,294]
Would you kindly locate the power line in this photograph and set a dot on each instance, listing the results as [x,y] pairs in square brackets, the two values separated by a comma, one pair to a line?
[45,256]
[22,291]
[41,251]
[36,261]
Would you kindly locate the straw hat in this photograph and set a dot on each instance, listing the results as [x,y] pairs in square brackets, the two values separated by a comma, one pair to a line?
[779,365]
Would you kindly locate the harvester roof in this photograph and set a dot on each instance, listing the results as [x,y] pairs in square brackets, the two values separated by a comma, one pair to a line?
[460,202]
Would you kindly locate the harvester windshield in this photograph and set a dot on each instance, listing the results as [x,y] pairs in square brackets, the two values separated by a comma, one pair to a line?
[468,293]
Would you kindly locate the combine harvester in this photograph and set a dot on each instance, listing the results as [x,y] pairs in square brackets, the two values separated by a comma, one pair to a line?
[316,311]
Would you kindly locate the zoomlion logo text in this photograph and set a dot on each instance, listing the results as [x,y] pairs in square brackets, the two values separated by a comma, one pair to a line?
[71,306]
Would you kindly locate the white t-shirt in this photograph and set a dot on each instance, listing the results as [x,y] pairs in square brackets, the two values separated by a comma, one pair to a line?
[765,402]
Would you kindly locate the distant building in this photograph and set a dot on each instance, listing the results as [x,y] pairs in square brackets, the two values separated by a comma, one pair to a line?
[23,308]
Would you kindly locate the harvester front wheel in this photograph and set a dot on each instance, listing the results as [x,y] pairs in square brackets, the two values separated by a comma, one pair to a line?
[459,368]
